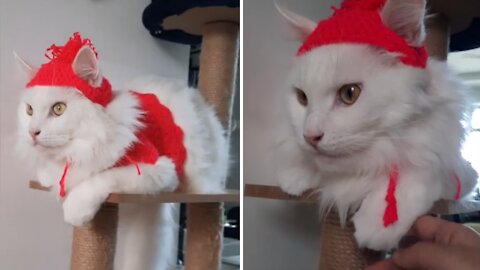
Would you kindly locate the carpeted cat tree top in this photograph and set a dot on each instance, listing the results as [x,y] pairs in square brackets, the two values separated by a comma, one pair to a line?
[182,21]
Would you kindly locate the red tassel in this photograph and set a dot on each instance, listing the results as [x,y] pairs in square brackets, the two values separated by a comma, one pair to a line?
[61,184]
[135,164]
[390,215]
[459,187]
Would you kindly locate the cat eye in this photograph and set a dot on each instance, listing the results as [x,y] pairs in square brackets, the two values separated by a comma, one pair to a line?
[59,108]
[29,110]
[349,93]
[301,97]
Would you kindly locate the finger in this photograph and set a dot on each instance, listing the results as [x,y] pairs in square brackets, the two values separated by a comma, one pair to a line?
[424,255]
[383,265]
[428,228]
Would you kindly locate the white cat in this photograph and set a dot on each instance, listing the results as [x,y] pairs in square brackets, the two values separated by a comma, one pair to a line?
[360,116]
[60,127]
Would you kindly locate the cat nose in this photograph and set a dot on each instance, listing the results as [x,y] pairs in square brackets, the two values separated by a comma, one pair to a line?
[34,133]
[313,139]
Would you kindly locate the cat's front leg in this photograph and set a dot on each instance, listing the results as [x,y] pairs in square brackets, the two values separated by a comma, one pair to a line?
[48,173]
[84,200]
[295,170]
[416,191]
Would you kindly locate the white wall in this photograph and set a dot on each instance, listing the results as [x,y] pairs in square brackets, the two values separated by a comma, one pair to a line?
[466,65]
[32,232]
[277,235]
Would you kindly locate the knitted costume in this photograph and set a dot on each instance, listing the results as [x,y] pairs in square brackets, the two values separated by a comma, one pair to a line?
[159,135]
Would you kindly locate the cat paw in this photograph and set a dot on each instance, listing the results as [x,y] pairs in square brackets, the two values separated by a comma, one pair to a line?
[294,188]
[293,185]
[44,177]
[164,174]
[372,234]
[81,205]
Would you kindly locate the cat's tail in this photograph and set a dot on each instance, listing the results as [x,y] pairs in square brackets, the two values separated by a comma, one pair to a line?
[147,237]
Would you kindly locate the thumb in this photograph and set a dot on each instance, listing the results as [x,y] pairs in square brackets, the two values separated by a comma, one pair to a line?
[424,256]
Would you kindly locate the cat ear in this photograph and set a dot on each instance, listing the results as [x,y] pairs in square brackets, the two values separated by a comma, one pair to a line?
[300,25]
[406,18]
[27,69]
[86,67]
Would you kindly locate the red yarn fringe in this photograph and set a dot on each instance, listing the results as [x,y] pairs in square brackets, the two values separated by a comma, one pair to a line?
[390,215]
[67,52]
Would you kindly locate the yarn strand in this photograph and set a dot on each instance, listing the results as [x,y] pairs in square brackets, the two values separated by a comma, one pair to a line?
[61,184]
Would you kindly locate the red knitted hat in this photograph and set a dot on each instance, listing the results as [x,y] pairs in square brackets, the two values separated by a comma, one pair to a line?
[59,72]
[359,22]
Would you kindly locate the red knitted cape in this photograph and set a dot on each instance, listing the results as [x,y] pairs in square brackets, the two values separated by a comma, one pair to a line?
[160,136]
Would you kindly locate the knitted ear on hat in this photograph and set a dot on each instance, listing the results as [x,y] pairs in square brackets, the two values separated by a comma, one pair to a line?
[74,66]
[395,26]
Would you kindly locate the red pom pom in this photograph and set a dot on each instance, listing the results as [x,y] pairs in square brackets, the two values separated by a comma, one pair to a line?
[363,4]
[67,52]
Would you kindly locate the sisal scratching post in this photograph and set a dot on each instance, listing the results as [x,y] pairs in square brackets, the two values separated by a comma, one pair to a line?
[339,250]
[204,236]
[93,245]
[437,39]
[218,62]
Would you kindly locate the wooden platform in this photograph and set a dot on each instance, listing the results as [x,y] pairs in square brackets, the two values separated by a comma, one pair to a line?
[163,197]
[274,192]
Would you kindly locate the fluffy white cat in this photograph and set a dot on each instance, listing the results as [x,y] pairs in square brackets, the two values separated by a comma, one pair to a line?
[57,126]
[356,112]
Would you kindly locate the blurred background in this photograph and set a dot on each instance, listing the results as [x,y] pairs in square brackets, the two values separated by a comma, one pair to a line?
[33,234]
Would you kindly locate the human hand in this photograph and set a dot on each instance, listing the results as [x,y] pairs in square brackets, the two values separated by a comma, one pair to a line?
[442,245]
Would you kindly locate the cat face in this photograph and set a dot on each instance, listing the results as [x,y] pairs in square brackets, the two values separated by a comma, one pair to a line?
[342,99]
[345,99]
[53,118]
[60,122]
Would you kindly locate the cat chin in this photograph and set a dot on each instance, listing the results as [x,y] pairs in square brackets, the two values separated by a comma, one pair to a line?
[50,152]
[332,156]
[344,163]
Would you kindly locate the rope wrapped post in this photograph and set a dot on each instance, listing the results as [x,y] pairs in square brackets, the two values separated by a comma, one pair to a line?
[93,245]
[218,63]
[204,236]
[339,250]
[438,37]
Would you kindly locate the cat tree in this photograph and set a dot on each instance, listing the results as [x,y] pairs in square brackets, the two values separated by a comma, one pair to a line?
[339,250]
[93,245]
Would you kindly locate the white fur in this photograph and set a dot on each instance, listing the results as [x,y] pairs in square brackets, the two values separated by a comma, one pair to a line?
[405,117]
[92,139]
[406,19]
